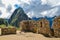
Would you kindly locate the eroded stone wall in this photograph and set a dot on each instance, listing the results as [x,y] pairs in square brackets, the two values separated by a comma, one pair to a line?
[41,26]
[6,31]
[44,27]
[56,26]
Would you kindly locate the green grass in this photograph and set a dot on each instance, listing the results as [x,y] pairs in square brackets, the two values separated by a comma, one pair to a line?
[3,26]
[18,28]
[9,26]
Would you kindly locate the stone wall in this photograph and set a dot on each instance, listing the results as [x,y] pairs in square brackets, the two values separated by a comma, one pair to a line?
[56,26]
[44,27]
[6,31]
[41,26]
[28,25]
[24,25]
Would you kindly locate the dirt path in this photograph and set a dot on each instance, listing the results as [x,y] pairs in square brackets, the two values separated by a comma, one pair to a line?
[26,36]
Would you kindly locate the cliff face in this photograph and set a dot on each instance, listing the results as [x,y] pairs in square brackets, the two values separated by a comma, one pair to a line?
[17,16]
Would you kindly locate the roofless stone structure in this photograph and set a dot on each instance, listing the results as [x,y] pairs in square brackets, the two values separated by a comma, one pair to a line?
[56,26]
[44,27]
[41,26]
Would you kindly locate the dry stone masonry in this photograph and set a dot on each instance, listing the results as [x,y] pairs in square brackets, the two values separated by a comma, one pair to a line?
[56,26]
[6,30]
[42,26]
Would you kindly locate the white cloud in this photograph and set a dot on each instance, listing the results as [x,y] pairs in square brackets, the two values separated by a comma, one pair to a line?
[9,5]
[4,14]
[52,12]
[53,2]
[44,2]
[43,8]
[30,14]
[44,13]
[33,8]
[25,1]
[9,8]
[0,12]
[1,4]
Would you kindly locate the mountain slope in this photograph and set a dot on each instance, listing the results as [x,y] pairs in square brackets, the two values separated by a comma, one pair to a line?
[17,16]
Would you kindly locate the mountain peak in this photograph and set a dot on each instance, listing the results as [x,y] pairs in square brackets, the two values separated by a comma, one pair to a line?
[17,16]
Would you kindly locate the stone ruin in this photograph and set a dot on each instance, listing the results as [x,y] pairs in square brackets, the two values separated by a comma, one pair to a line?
[6,31]
[56,26]
[40,26]
[23,25]
[44,27]
[28,25]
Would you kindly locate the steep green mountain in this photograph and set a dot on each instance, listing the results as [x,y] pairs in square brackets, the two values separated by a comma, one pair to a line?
[17,16]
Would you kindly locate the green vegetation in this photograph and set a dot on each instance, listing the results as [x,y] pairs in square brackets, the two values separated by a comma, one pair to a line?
[17,16]
[3,26]
[4,23]
[17,28]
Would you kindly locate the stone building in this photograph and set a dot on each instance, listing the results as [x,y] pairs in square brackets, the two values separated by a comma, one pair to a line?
[32,26]
[41,26]
[28,25]
[56,26]
[23,25]
[44,27]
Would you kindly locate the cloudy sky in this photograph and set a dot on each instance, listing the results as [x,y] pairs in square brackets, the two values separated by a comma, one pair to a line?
[33,8]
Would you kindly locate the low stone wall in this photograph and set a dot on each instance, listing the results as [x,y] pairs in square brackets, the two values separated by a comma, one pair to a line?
[6,31]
